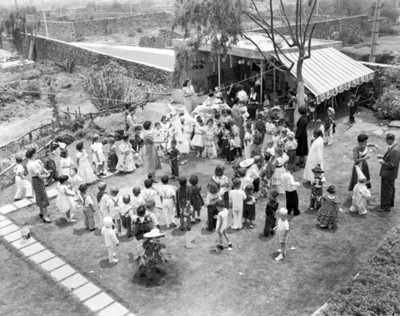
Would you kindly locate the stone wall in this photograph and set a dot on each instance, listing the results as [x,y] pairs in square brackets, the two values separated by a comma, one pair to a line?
[325,29]
[73,31]
[162,40]
[50,49]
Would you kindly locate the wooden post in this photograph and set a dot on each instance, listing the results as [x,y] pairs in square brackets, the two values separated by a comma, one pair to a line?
[375,30]
[219,70]
[30,137]
[261,85]
[80,113]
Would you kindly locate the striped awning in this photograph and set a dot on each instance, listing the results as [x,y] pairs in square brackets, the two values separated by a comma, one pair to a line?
[329,72]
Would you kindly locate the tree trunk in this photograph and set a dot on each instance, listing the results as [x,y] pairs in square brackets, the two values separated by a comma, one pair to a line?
[31,48]
[300,87]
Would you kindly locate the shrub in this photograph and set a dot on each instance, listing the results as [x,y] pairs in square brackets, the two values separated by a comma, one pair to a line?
[376,289]
[390,13]
[388,104]
[67,66]
[131,33]
[139,29]
[387,28]
[350,37]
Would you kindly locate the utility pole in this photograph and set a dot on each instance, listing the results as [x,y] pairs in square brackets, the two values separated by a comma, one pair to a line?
[317,8]
[375,30]
[59,4]
[45,20]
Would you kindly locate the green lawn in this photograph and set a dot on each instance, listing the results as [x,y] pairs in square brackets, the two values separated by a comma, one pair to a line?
[246,280]
[27,291]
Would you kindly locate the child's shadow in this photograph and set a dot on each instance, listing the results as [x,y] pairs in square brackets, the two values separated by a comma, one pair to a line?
[105,264]
[307,185]
[206,232]
[177,232]
[263,238]
[232,231]
[80,231]
[309,211]
[131,257]
[62,223]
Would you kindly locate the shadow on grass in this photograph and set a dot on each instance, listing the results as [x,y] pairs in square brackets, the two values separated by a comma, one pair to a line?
[105,264]
[62,223]
[80,231]
[263,238]
[165,274]
[176,232]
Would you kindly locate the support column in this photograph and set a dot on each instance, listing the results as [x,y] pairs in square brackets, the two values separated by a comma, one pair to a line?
[219,70]
[262,75]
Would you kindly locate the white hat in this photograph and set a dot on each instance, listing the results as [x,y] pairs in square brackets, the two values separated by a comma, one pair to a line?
[246,163]
[107,221]
[154,233]
[330,109]
[283,211]
[271,151]
[360,174]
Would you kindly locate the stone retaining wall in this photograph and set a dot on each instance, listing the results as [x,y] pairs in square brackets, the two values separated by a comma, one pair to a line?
[73,31]
[55,50]
[162,40]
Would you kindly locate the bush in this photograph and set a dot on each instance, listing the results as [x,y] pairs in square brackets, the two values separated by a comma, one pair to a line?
[139,29]
[376,289]
[390,13]
[67,66]
[131,33]
[387,28]
[387,105]
[350,37]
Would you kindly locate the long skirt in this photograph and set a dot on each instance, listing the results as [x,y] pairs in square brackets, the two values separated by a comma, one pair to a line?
[39,188]
[151,162]
[354,178]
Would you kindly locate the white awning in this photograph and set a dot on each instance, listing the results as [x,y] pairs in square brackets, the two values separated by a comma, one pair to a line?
[329,72]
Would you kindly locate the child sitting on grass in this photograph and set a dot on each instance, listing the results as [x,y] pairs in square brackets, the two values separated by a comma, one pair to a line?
[222,225]
[282,231]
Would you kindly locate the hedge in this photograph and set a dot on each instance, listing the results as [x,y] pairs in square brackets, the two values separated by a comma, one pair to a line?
[376,289]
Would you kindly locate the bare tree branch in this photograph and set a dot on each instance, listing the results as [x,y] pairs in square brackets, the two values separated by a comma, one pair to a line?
[308,22]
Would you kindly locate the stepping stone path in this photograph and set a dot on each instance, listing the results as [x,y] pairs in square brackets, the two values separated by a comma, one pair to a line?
[62,273]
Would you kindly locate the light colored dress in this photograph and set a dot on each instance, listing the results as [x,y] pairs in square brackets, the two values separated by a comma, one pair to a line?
[98,154]
[65,165]
[222,220]
[315,158]
[210,151]
[126,161]
[198,139]
[85,170]
[65,202]
[151,162]
[248,142]
[279,172]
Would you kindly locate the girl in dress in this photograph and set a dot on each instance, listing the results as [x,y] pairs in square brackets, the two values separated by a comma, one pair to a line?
[159,137]
[248,140]
[151,162]
[280,159]
[126,162]
[198,139]
[290,148]
[196,199]
[112,160]
[328,215]
[210,150]
[165,124]
[65,199]
[85,170]
[98,157]
[65,163]
[315,156]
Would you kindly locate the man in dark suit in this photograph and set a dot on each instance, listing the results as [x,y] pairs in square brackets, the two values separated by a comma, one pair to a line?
[389,171]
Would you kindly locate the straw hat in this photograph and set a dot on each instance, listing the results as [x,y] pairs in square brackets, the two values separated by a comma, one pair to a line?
[331,110]
[318,169]
[154,233]
[247,163]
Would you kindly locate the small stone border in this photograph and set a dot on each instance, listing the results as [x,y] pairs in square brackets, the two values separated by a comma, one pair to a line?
[61,272]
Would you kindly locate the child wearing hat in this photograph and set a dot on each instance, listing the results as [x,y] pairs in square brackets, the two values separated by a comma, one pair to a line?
[328,215]
[282,231]
[290,149]
[24,187]
[237,196]
[212,197]
[317,188]
[223,182]
[174,156]
[270,210]
[361,194]
[222,225]
[110,239]
[249,206]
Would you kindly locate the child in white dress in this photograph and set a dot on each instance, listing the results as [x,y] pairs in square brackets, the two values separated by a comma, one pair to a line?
[237,196]
[98,157]
[65,199]
[167,196]
[198,139]
[85,170]
[24,187]
[159,137]
[361,194]
[210,151]
[280,159]
[65,163]
[248,140]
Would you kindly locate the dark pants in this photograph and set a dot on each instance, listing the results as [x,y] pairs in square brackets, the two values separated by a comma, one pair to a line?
[270,222]
[387,193]
[353,111]
[175,168]
[292,202]
[211,220]
[231,155]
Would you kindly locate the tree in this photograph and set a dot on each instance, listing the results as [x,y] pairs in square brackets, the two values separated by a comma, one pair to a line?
[220,23]
[15,26]
[32,28]
[351,7]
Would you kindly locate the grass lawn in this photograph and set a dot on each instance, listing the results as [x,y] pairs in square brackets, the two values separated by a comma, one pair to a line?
[245,280]
[26,291]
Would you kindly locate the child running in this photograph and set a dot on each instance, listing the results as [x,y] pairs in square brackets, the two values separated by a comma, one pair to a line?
[222,225]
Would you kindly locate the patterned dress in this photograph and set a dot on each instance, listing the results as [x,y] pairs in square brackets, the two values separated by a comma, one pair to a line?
[126,162]
[210,151]
[328,214]
[85,170]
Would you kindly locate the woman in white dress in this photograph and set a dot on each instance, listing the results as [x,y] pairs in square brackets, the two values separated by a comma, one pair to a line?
[126,162]
[85,170]
[198,140]
[315,156]
[66,163]
[151,162]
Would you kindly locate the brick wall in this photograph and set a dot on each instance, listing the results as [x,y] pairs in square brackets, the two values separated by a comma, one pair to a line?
[50,49]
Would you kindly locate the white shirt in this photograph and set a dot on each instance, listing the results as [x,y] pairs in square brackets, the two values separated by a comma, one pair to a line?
[166,192]
[288,183]
[136,201]
[109,236]
[237,197]
[19,172]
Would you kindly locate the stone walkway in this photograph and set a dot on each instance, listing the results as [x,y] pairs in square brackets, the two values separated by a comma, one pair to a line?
[61,272]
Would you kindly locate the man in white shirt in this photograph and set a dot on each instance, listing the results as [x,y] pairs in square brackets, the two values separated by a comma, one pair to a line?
[290,187]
